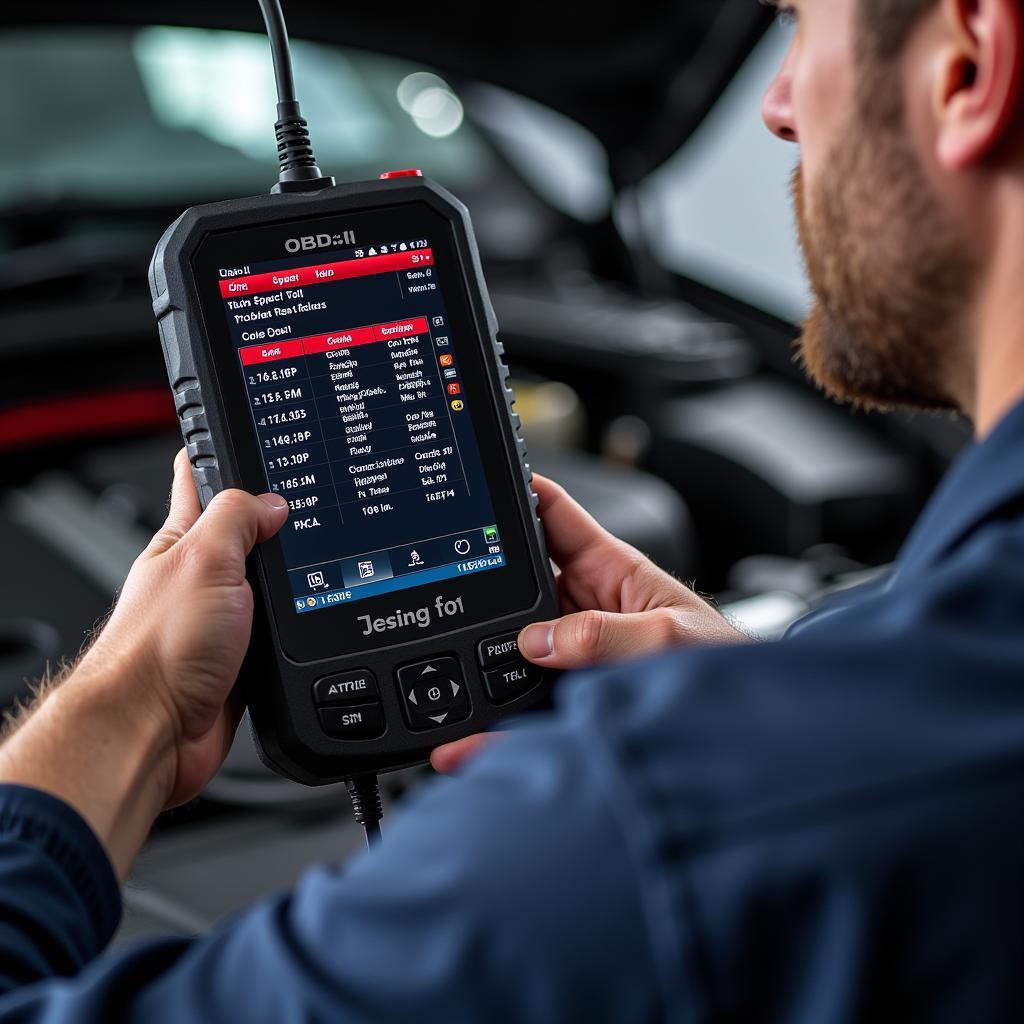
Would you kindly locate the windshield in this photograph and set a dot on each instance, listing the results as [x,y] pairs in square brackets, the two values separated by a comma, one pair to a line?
[146,116]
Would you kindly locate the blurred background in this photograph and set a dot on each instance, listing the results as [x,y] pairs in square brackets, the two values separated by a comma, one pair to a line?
[633,217]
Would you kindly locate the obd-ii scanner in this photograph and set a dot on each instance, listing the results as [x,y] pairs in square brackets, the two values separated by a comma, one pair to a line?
[335,344]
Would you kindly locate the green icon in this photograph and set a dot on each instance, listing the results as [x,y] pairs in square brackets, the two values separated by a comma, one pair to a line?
[491,534]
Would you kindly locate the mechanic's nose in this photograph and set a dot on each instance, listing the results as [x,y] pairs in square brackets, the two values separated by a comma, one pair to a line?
[777,106]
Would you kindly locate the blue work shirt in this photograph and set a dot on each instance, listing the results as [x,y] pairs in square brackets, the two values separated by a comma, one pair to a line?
[829,828]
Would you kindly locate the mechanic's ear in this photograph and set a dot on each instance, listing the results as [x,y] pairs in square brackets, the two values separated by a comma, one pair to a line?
[977,79]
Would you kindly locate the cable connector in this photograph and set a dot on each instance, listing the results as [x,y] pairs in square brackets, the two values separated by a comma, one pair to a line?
[366,806]
[299,171]
[294,150]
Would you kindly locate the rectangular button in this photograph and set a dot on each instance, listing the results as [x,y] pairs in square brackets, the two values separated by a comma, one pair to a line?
[358,722]
[497,649]
[511,680]
[346,687]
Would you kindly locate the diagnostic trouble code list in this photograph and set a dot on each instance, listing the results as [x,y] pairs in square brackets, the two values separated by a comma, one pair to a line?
[363,425]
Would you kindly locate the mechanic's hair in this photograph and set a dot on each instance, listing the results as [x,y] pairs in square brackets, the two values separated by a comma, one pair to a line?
[884,24]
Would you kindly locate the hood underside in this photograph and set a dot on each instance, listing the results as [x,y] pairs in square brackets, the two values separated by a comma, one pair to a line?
[640,76]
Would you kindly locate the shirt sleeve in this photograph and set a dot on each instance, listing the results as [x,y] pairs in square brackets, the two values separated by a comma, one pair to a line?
[59,899]
[503,895]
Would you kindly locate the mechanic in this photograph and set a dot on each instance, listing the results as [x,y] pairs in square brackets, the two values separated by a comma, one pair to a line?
[825,828]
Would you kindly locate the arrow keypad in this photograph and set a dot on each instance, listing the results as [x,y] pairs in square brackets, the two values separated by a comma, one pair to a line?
[433,693]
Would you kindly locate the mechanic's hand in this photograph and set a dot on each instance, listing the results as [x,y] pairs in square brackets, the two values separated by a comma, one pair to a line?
[181,626]
[615,602]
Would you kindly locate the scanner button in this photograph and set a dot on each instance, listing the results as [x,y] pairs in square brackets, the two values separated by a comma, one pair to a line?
[497,649]
[511,680]
[357,722]
[433,693]
[346,688]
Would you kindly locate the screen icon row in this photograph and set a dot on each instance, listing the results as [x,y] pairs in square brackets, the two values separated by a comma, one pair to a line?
[350,573]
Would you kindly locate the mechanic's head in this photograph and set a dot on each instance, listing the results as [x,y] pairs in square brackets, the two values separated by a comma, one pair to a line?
[910,189]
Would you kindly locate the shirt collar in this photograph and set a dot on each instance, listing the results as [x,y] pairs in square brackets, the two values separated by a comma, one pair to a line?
[986,477]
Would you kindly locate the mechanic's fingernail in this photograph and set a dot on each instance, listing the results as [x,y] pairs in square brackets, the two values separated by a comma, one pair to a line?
[275,501]
[537,641]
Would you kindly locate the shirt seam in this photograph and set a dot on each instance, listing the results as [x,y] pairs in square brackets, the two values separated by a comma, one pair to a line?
[679,999]
[877,797]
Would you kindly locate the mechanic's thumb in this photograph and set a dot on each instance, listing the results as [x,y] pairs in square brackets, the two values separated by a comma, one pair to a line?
[591,637]
[235,521]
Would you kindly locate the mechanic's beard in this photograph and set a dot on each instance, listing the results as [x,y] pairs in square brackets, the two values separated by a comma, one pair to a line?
[889,273]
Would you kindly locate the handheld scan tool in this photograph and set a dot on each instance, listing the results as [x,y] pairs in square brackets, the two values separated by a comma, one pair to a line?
[335,344]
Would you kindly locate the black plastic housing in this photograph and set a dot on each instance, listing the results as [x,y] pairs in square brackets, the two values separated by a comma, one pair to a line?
[276,687]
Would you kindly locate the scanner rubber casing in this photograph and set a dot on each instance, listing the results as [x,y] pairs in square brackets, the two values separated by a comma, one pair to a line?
[276,688]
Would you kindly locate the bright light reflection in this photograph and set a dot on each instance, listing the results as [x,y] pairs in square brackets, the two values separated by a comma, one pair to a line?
[431,104]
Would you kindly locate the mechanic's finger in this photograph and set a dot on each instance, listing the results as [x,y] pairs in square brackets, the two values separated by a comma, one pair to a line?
[596,560]
[568,527]
[183,509]
[449,757]
[235,521]
[593,637]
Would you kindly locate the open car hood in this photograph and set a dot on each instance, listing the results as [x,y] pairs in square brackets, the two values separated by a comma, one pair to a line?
[640,76]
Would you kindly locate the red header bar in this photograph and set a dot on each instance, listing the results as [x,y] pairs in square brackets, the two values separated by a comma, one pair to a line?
[341,339]
[401,328]
[295,348]
[265,353]
[324,273]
